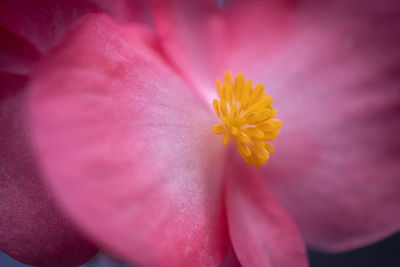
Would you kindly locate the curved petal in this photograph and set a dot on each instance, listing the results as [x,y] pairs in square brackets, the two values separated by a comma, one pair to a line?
[125,147]
[32,229]
[262,233]
[44,22]
[336,88]
[203,37]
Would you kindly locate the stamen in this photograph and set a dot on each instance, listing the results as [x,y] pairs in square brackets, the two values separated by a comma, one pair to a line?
[247,118]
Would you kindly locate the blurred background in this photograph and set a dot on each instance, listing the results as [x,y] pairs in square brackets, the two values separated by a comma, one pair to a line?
[381,254]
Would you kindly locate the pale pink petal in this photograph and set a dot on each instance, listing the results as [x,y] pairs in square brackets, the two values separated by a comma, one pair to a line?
[32,229]
[127,148]
[336,169]
[262,233]
[202,37]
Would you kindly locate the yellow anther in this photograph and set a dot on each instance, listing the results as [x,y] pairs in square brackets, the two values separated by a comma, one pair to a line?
[225,139]
[264,114]
[228,77]
[254,132]
[256,93]
[262,153]
[218,129]
[233,110]
[244,138]
[252,118]
[224,108]
[227,89]
[271,136]
[270,148]
[216,107]
[247,89]
[247,118]
[244,149]
[259,142]
[234,130]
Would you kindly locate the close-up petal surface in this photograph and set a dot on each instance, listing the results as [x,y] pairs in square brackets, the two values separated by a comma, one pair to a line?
[32,229]
[202,36]
[125,146]
[261,232]
[43,22]
[332,68]
[337,92]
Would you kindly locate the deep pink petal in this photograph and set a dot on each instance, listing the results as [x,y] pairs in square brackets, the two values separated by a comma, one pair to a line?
[44,22]
[203,37]
[231,259]
[261,232]
[126,11]
[16,55]
[336,88]
[11,84]
[32,229]
[127,148]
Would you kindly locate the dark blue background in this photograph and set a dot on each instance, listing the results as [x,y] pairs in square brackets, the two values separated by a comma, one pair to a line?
[383,254]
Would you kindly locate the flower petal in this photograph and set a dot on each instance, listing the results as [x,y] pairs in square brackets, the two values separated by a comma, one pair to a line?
[336,169]
[43,22]
[202,37]
[32,229]
[16,55]
[11,84]
[125,146]
[126,11]
[261,232]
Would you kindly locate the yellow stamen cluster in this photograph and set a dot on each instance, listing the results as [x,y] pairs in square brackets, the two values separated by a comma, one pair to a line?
[247,117]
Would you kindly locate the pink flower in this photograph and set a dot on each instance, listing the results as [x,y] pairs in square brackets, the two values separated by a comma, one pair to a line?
[121,124]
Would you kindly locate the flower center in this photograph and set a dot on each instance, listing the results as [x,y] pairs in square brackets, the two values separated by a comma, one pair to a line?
[247,118]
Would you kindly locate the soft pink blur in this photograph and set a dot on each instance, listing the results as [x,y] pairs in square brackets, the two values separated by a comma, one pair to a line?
[121,118]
